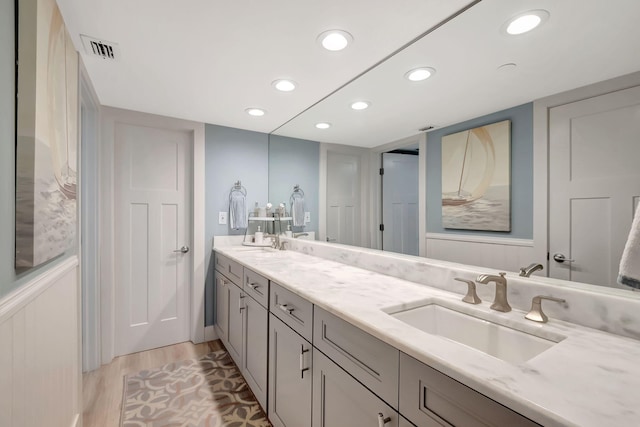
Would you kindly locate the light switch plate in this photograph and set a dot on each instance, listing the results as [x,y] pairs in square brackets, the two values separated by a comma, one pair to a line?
[307,217]
[222,218]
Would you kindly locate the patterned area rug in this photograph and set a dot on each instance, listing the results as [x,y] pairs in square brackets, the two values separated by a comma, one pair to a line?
[209,392]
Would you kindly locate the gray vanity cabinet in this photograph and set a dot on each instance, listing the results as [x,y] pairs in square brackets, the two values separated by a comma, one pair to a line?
[235,319]
[254,348]
[290,376]
[339,400]
[222,307]
[431,399]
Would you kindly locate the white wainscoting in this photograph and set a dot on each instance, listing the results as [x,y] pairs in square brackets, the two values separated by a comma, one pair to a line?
[40,356]
[501,253]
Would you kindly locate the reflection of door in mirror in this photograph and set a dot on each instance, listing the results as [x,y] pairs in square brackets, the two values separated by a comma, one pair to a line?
[343,198]
[594,184]
[400,202]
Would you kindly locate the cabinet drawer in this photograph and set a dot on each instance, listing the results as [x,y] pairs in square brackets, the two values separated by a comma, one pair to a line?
[292,309]
[256,286]
[371,361]
[430,398]
[230,268]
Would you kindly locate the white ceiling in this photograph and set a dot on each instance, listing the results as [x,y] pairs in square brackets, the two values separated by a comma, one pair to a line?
[209,60]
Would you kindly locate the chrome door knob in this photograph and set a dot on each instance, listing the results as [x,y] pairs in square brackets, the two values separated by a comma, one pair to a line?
[561,258]
[183,249]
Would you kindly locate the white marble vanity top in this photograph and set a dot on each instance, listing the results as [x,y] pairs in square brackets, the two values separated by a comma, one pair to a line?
[591,378]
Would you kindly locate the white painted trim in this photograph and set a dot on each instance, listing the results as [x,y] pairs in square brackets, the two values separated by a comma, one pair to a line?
[541,109]
[422,194]
[322,194]
[14,301]
[107,267]
[197,238]
[89,257]
[210,333]
[491,240]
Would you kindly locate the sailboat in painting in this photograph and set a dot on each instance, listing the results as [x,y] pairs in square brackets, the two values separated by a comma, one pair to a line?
[468,168]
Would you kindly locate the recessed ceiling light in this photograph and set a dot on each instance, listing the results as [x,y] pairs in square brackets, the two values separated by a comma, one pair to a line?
[257,112]
[525,22]
[284,85]
[323,125]
[419,74]
[335,40]
[360,105]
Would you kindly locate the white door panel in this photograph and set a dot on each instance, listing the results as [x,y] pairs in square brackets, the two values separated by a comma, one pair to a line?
[400,203]
[594,181]
[343,198]
[152,223]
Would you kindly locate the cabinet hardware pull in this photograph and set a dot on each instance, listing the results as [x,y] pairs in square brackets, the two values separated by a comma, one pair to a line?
[240,306]
[254,286]
[302,368]
[382,420]
[286,309]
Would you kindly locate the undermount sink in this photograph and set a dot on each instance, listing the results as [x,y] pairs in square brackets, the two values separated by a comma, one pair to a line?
[503,342]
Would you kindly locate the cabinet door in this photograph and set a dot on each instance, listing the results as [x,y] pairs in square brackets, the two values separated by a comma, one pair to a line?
[222,307]
[255,348]
[289,384]
[339,400]
[236,307]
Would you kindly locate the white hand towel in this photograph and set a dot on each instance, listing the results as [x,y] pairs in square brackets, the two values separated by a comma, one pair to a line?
[237,211]
[629,273]
[297,211]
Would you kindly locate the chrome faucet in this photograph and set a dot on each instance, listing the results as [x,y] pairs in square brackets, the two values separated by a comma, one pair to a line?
[500,302]
[527,271]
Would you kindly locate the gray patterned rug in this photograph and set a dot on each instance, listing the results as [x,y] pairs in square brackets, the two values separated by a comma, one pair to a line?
[209,392]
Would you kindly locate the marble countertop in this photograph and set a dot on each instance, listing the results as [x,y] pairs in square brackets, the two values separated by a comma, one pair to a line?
[591,378]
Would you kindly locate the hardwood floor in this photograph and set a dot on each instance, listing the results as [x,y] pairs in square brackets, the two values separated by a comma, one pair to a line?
[102,388]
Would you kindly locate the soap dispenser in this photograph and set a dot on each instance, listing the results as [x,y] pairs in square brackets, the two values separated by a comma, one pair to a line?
[288,233]
[258,237]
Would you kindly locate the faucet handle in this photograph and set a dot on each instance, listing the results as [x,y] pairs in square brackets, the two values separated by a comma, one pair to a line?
[471,297]
[536,314]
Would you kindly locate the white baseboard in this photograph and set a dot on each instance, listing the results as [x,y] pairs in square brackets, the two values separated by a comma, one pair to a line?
[210,333]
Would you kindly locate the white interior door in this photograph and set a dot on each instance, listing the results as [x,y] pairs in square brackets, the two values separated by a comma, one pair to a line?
[400,203]
[594,180]
[153,211]
[343,198]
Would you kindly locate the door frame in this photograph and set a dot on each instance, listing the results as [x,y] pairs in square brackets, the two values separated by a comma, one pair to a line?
[89,137]
[541,110]
[376,194]
[111,116]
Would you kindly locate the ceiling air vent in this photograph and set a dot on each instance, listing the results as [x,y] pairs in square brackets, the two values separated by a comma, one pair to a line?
[100,48]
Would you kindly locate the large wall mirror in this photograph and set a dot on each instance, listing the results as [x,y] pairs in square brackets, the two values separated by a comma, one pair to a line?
[480,74]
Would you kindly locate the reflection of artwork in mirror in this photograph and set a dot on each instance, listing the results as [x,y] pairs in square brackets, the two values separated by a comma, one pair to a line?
[476,178]
[46,146]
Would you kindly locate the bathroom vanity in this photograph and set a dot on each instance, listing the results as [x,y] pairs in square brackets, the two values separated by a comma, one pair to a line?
[326,343]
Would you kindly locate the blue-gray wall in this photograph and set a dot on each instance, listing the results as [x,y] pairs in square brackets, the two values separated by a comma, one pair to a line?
[230,155]
[9,278]
[521,171]
[295,161]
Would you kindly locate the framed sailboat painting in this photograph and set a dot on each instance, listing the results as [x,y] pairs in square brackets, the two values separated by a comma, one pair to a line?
[476,178]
